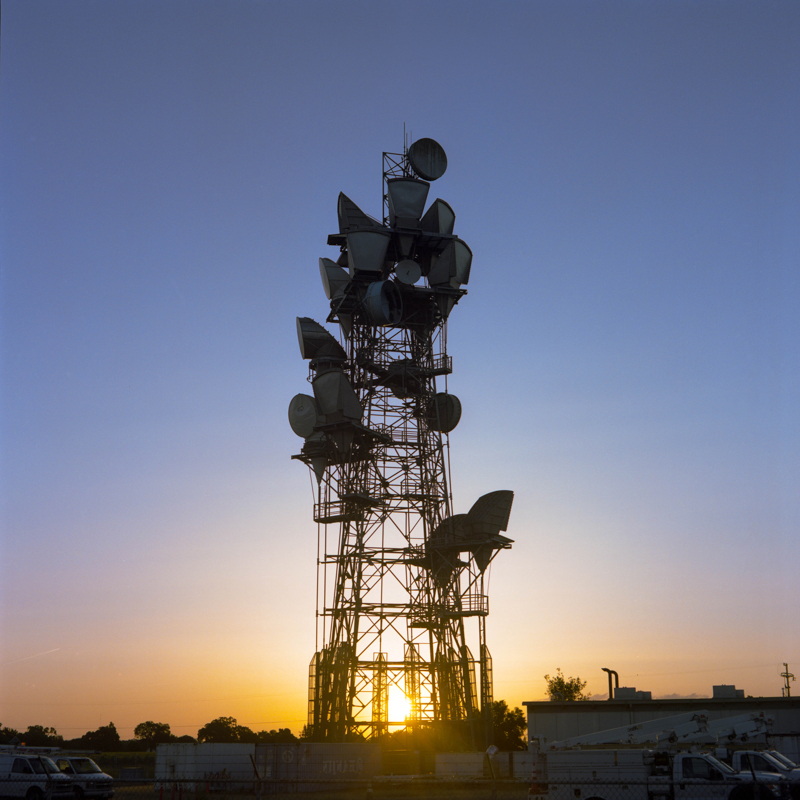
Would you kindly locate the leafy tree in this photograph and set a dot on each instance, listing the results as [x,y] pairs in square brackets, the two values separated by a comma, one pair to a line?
[7,734]
[39,736]
[153,733]
[510,727]
[220,730]
[105,738]
[224,730]
[281,736]
[246,735]
[561,688]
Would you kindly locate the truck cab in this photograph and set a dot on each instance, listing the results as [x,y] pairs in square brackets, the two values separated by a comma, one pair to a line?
[701,775]
[767,761]
[782,759]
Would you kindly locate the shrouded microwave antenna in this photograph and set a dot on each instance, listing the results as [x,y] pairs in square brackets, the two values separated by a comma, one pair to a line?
[408,271]
[427,158]
[402,604]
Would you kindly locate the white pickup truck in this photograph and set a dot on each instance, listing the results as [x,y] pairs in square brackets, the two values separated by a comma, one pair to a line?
[764,761]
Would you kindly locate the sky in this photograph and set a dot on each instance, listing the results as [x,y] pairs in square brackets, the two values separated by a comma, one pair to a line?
[627,175]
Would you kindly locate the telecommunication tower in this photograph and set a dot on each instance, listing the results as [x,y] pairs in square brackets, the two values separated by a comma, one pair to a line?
[401,597]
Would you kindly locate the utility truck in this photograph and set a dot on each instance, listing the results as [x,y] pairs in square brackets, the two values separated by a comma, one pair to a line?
[610,765]
[761,761]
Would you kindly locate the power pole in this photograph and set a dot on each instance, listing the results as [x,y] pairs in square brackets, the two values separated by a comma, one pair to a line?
[786,691]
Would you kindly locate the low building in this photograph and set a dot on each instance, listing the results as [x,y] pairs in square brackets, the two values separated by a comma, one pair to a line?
[559,719]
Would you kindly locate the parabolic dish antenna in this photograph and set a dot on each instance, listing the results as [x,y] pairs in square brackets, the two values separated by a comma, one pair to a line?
[408,272]
[427,159]
[303,412]
[444,412]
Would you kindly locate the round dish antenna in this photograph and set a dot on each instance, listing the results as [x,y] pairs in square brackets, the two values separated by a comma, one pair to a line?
[444,412]
[303,413]
[408,272]
[427,158]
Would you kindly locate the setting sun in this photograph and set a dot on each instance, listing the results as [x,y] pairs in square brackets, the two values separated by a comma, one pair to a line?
[399,705]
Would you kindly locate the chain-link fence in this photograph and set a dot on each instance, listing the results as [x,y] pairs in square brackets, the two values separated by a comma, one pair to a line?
[218,786]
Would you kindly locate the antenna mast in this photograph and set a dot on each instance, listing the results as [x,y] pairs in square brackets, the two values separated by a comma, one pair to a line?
[402,604]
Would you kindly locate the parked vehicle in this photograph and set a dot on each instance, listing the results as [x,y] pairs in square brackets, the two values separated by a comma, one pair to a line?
[34,776]
[584,767]
[785,760]
[764,761]
[88,780]
[761,761]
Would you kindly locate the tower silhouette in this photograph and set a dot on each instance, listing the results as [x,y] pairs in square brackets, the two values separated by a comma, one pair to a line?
[401,595]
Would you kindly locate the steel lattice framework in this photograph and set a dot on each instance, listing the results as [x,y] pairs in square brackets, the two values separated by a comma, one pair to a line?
[401,578]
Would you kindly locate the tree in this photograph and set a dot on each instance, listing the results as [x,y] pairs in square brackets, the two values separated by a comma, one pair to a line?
[510,727]
[221,730]
[561,688]
[225,730]
[153,733]
[246,735]
[39,736]
[281,736]
[105,738]
[7,734]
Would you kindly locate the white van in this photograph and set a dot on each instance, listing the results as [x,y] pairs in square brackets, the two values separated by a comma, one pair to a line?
[32,776]
[88,780]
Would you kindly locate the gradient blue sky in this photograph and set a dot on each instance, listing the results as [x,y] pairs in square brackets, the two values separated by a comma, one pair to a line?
[627,175]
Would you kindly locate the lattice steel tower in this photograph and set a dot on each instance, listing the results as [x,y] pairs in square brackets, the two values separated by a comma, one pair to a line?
[401,600]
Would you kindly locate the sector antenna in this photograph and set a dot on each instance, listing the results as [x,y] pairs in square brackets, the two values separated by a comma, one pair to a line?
[402,598]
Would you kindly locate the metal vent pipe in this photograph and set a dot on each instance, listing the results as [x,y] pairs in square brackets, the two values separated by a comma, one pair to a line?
[616,681]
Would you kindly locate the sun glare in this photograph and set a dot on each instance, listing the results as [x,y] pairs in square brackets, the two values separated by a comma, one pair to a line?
[399,705]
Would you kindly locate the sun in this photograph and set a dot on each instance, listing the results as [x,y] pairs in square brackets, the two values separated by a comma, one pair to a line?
[399,705]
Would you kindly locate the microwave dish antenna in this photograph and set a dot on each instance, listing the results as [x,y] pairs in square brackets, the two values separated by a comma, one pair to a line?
[408,271]
[428,159]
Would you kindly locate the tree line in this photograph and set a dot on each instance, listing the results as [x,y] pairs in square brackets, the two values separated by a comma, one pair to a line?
[146,736]
[508,723]
[509,726]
